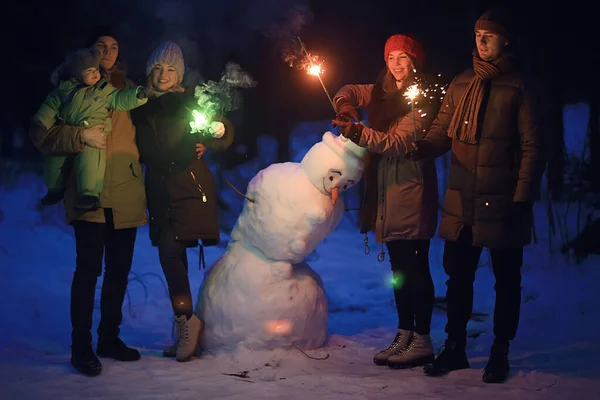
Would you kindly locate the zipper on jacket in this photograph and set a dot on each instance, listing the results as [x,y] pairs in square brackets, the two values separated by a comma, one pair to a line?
[204,199]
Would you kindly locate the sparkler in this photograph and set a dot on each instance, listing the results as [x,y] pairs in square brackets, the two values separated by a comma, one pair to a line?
[204,127]
[214,98]
[411,94]
[316,70]
[429,94]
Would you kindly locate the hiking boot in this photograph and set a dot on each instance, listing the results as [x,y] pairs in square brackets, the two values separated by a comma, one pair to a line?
[418,353]
[452,357]
[189,331]
[398,344]
[498,367]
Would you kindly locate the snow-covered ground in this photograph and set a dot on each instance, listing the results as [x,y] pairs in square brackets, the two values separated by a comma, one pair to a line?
[553,356]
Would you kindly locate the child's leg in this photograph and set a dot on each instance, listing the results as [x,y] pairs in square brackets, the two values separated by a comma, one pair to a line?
[90,165]
[56,173]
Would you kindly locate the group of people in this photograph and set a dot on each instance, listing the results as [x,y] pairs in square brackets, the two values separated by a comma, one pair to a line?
[488,120]
[94,147]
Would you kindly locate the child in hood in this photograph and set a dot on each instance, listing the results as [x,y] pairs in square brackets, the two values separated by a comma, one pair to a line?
[82,97]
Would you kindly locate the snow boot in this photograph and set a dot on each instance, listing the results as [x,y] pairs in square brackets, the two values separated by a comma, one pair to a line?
[190,331]
[85,361]
[115,348]
[52,197]
[498,367]
[453,357]
[398,344]
[418,353]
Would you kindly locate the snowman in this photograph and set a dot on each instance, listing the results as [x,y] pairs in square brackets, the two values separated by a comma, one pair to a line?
[261,293]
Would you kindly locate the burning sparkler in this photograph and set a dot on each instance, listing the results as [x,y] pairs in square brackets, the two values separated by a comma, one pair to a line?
[429,94]
[214,98]
[316,70]
[411,94]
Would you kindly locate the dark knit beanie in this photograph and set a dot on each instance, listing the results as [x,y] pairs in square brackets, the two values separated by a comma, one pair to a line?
[80,60]
[496,21]
[99,31]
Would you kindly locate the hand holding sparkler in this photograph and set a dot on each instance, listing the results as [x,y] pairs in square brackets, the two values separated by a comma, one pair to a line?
[205,128]
[347,110]
[348,129]
[421,150]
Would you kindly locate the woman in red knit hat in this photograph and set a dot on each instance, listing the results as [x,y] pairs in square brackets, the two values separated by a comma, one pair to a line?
[400,202]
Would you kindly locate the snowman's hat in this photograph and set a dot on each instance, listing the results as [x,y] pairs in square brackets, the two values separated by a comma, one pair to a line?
[334,152]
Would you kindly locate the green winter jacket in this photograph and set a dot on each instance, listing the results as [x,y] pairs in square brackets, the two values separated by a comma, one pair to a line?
[72,103]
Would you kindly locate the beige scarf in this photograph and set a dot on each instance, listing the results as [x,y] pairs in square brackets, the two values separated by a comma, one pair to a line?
[464,122]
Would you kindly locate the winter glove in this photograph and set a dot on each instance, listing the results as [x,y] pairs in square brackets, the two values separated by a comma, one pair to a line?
[346,110]
[216,129]
[348,129]
[421,150]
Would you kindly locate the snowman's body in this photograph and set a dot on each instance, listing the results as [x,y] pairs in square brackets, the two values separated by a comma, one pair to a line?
[261,293]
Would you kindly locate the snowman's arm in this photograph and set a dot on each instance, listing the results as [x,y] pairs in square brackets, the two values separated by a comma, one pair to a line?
[358,95]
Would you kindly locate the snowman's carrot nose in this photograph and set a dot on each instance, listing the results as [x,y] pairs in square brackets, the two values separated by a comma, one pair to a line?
[335,193]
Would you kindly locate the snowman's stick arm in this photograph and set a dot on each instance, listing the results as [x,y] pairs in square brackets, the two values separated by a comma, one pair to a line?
[238,192]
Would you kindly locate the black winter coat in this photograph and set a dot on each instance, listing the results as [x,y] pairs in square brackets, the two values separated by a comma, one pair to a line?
[488,180]
[180,188]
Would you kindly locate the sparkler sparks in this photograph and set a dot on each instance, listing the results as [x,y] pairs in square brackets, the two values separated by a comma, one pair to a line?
[313,65]
[412,92]
[309,62]
[315,70]
[214,98]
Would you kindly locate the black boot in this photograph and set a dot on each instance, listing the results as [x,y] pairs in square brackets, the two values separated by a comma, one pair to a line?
[115,348]
[52,197]
[452,358]
[87,203]
[497,368]
[85,361]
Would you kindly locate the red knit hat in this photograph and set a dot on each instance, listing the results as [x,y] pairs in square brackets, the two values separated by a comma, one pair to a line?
[406,44]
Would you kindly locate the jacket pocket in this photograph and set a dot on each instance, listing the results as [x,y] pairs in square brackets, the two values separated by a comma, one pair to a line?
[453,203]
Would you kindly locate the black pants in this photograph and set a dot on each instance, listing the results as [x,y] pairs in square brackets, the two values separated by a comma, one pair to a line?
[460,263]
[413,286]
[94,241]
[173,260]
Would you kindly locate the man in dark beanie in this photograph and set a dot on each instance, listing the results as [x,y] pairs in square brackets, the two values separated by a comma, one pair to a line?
[488,120]
[104,237]
[98,32]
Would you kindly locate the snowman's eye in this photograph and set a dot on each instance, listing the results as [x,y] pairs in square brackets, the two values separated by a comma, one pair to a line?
[331,178]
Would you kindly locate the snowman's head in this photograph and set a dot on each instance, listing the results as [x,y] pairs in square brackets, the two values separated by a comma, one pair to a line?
[334,164]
